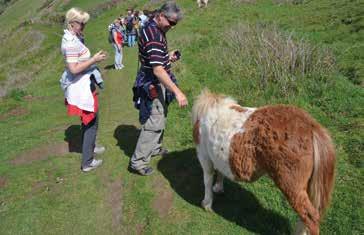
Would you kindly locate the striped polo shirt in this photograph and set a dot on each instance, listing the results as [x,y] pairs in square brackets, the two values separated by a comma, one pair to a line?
[153,49]
[73,50]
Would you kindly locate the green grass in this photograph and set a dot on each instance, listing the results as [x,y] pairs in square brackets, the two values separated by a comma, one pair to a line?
[34,200]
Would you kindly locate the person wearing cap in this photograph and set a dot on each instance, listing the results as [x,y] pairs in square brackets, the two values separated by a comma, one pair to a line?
[157,86]
[80,91]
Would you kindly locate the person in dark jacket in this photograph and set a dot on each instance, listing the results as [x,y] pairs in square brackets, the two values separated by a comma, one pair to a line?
[157,85]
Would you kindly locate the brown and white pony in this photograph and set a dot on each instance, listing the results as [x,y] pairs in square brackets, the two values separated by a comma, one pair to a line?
[282,141]
[202,3]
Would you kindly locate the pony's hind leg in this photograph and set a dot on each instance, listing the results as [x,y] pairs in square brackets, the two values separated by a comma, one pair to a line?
[293,185]
[308,213]
[301,228]
[208,176]
[219,184]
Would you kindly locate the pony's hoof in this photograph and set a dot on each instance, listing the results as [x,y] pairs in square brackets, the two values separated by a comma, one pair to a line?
[218,189]
[207,206]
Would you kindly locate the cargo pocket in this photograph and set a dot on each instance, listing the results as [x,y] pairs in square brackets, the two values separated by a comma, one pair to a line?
[157,120]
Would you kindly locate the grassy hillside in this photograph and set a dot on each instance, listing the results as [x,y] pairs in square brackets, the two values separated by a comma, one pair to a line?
[41,187]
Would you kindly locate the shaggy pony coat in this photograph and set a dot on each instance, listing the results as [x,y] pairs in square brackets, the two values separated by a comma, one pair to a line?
[281,141]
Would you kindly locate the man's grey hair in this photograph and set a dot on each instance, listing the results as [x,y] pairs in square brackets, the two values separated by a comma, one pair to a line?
[170,9]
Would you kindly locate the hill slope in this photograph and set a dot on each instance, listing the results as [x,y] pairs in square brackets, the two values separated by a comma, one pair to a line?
[41,187]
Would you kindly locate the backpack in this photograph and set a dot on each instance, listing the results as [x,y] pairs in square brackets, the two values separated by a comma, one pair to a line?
[110,37]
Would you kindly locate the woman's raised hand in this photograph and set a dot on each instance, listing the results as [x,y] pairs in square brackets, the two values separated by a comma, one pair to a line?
[99,56]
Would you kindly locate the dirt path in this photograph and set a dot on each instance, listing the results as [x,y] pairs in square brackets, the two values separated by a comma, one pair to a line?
[163,200]
[41,153]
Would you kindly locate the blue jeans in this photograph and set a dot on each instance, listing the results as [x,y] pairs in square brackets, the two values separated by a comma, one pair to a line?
[118,57]
[131,40]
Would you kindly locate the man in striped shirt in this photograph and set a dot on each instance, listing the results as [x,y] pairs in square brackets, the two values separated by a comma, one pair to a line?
[156,68]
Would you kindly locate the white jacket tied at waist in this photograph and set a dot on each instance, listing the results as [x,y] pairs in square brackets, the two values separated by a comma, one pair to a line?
[77,88]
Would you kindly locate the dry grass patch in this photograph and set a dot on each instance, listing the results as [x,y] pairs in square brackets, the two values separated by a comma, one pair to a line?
[270,55]
[16,112]
[3,181]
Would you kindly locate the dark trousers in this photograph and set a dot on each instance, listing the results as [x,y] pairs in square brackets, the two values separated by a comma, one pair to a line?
[88,141]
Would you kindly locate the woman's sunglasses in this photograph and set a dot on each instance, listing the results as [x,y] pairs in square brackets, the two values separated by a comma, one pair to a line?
[80,23]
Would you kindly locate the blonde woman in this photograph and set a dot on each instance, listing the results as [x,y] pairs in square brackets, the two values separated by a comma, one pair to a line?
[78,82]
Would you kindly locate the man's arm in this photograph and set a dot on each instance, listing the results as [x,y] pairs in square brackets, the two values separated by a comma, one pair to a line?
[163,77]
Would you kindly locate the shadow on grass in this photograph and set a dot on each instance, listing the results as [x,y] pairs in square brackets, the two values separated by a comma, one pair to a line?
[127,136]
[238,205]
[73,137]
[109,67]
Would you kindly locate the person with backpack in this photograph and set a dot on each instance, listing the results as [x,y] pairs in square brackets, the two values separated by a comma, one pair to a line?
[116,39]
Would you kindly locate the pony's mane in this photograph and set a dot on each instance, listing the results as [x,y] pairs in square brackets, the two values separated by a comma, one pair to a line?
[205,101]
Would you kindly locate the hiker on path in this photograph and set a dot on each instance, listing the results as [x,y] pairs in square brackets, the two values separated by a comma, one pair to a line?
[117,43]
[155,86]
[79,84]
[131,30]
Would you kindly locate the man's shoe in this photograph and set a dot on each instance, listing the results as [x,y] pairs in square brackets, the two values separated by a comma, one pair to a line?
[144,171]
[93,165]
[162,152]
[99,149]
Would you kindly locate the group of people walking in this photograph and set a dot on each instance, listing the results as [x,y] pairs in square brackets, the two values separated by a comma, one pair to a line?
[154,89]
[124,30]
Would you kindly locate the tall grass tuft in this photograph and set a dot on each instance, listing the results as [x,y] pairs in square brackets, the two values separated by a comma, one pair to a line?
[288,1]
[235,2]
[271,56]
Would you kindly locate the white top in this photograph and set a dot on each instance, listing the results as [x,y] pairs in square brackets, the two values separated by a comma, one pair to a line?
[78,93]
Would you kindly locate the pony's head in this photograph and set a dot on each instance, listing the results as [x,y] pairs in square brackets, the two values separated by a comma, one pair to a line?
[205,101]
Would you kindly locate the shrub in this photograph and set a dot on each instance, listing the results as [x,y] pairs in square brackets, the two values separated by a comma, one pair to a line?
[52,18]
[17,94]
[268,55]
[99,9]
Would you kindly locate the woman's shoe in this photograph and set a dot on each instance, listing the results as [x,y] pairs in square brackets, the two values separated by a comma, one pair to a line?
[93,165]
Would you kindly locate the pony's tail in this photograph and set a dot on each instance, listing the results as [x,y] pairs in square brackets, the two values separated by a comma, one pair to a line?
[322,180]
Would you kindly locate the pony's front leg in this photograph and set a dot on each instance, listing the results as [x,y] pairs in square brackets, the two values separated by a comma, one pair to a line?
[219,185]
[208,175]
[199,3]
